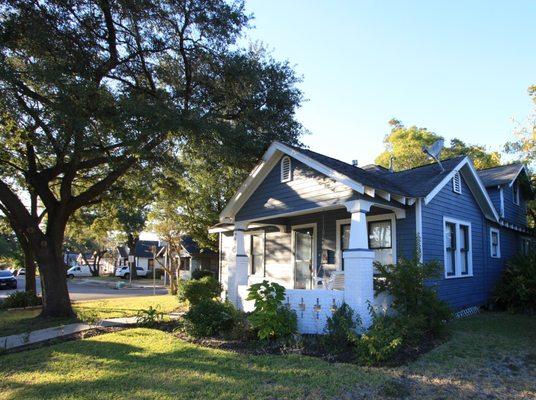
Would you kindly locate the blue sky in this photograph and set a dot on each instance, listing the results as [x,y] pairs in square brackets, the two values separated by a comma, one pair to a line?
[458,68]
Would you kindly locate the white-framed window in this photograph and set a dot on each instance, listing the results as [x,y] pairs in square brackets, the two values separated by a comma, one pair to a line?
[495,242]
[286,169]
[515,193]
[458,248]
[457,183]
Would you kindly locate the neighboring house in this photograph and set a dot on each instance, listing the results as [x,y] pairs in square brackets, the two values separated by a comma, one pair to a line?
[193,257]
[121,256]
[144,257]
[70,257]
[316,224]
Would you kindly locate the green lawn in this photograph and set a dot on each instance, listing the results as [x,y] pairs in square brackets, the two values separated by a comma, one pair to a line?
[19,321]
[491,356]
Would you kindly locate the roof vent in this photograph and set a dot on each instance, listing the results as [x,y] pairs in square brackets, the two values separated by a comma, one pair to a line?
[391,163]
[354,163]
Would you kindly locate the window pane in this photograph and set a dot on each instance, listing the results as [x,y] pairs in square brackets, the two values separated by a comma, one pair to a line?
[450,243]
[380,235]
[257,254]
[464,249]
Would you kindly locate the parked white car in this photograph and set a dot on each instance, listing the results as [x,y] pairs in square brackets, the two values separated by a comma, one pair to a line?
[78,271]
[124,272]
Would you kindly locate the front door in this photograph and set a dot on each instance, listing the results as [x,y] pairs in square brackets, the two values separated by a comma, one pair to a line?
[303,258]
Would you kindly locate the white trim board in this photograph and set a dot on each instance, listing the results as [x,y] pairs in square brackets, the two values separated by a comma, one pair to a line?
[498,232]
[457,273]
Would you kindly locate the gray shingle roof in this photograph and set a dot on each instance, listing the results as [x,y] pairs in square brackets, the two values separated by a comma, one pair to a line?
[415,182]
[499,175]
[143,248]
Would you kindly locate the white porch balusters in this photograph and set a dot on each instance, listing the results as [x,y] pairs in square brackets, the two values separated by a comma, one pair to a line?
[358,259]
[238,268]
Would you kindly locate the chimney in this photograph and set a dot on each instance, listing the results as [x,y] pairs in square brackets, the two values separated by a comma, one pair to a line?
[391,164]
[354,163]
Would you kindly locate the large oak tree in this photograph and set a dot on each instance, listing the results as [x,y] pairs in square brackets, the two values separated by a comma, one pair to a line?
[91,89]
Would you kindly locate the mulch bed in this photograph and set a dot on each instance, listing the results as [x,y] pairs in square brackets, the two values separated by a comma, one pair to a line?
[309,345]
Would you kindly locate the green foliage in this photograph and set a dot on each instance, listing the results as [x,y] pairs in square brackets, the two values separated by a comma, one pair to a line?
[271,318]
[201,273]
[197,290]
[516,291]
[149,317]
[405,145]
[209,318]
[381,342]
[409,283]
[21,299]
[342,327]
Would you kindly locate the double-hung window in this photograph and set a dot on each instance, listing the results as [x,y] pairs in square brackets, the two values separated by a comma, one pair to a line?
[257,254]
[495,243]
[458,251]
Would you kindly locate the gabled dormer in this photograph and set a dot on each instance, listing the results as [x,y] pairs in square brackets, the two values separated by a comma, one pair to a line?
[509,189]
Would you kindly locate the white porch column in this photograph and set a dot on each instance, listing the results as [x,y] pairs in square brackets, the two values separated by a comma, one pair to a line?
[238,268]
[358,259]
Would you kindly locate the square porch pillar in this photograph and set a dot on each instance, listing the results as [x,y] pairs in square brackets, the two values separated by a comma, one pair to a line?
[358,262]
[238,268]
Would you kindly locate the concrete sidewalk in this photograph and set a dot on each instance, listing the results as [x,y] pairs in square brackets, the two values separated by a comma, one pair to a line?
[42,335]
[113,284]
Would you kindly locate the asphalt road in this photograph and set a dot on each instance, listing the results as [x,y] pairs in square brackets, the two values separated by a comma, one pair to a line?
[86,289]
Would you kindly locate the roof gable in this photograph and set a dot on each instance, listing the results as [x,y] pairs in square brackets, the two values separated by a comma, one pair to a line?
[502,175]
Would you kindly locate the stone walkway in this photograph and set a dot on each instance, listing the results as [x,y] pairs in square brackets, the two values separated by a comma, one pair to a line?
[42,335]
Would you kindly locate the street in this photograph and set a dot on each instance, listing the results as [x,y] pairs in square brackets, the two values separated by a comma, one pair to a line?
[88,289]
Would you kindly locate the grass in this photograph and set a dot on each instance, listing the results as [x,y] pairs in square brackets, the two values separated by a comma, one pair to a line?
[488,356]
[20,321]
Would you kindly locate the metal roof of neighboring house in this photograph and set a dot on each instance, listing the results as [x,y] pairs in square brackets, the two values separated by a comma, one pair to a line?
[143,248]
[505,174]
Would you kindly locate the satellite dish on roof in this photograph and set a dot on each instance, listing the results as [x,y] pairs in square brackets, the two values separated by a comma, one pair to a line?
[434,151]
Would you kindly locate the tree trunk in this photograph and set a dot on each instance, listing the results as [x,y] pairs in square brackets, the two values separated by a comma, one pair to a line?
[29,264]
[131,243]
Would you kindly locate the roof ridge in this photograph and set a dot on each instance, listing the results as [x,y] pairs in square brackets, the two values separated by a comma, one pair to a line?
[428,165]
[502,166]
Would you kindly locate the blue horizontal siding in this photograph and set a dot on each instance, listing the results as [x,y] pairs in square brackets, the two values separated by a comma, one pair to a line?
[457,292]
[513,213]
[308,189]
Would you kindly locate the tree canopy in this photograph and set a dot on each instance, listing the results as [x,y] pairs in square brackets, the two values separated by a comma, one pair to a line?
[405,145]
[92,89]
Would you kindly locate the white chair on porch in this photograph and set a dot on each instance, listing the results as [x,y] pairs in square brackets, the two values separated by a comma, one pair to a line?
[336,281]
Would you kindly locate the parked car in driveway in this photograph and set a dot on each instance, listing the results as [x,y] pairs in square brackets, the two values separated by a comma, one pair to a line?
[7,280]
[78,271]
[124,272]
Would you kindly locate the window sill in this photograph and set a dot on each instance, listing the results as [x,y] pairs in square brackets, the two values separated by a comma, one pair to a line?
[459,276]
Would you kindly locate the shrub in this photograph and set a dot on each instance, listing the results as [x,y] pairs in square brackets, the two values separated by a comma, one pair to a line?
[516,291]
[201,273]
[406,282]
[381,342]
[271,318]
[195,291]
[21,299]
[149,317]
[342,327]
[209,318]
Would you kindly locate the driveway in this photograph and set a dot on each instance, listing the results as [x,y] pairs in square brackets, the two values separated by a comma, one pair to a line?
[87,289]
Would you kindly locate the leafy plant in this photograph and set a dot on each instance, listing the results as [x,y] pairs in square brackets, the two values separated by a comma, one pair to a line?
[271,318]
[149,317]
[342,327]
[197,290]
[21,299]
[408,282]
[201,273]
[516,291]
[209,318]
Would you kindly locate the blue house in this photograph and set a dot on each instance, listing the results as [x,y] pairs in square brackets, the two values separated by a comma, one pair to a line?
[316,225]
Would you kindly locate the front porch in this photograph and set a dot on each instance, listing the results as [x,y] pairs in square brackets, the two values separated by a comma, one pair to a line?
[323,257]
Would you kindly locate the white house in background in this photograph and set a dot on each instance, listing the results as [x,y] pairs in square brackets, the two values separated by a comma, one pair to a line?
[144,257]
[193,257]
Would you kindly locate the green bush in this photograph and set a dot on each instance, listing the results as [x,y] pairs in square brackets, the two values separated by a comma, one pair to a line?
[201,273]
[149,317]
[195,291]
[342,327]
[209,318]
[271,318]
[21,299]
[516,291]
[412,297]
[381,341]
